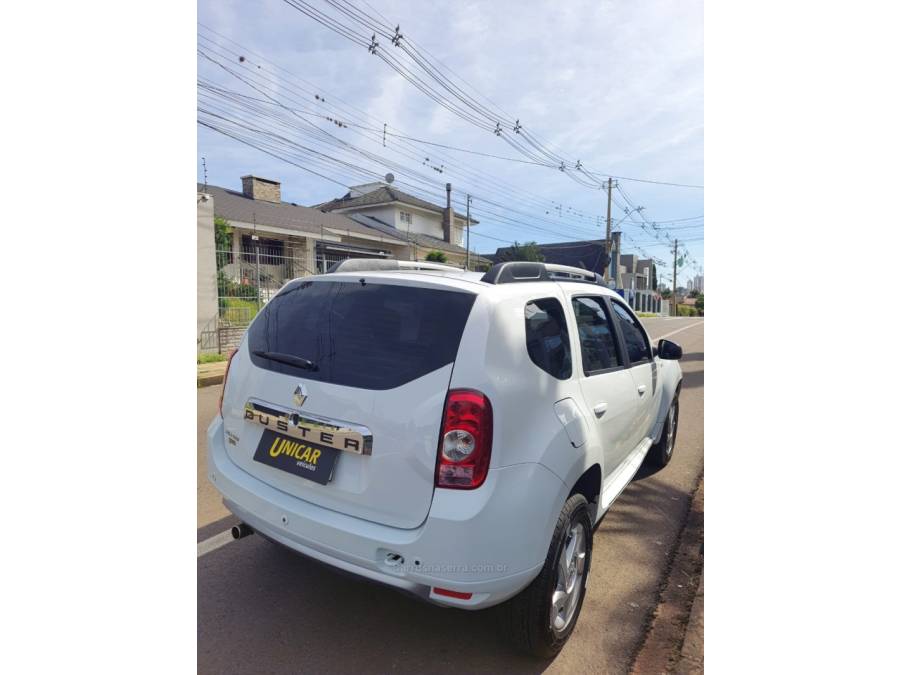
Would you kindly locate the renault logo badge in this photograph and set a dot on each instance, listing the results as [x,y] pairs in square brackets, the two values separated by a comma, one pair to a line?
[299,396]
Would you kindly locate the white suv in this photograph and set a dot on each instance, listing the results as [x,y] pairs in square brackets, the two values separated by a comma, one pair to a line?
[453,434]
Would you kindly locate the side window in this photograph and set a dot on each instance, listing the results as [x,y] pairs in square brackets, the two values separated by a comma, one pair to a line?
[547,337]
[635,339]
[598,343]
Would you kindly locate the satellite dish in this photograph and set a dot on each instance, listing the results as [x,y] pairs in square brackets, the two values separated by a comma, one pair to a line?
[389,178]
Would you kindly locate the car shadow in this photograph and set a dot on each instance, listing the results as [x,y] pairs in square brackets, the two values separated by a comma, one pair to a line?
[219,526]
[262,608]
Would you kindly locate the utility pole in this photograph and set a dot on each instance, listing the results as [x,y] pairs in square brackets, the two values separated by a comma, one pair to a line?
[675,279]
[609,187]
[468,204]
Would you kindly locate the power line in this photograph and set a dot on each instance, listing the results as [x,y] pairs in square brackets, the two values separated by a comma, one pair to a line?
[258,111]
[466,105]
[245,63]
[310,88]
[272,144]
[243,99]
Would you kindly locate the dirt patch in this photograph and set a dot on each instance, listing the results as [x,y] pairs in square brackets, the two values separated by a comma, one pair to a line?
[661,650]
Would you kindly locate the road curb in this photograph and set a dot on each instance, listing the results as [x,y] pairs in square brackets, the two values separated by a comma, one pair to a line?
[665,648]
[209,380]
[211,373]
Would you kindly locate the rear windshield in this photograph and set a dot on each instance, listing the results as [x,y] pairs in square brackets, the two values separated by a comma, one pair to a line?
[371,336]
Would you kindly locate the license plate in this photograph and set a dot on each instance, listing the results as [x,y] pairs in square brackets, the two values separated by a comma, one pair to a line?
[296,456]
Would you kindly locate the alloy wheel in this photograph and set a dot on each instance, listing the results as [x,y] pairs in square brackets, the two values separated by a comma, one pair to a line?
[569,576]
[670,436]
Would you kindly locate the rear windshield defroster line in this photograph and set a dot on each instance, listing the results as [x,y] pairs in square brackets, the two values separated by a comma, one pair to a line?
[371,336]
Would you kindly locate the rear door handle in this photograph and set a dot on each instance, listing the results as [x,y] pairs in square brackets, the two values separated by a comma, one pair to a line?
[600,408]
[642,388]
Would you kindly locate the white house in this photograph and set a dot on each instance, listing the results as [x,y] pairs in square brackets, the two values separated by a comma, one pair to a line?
[380,204]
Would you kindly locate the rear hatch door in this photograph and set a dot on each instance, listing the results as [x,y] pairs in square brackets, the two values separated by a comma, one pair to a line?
[358,371]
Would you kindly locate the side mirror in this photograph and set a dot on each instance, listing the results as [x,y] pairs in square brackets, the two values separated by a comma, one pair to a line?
[669,350]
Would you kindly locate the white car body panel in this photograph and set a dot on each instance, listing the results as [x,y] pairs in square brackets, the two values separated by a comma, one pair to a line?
[490,541]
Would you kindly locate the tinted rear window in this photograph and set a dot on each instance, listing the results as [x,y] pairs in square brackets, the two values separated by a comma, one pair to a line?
[372,336]
[547,338]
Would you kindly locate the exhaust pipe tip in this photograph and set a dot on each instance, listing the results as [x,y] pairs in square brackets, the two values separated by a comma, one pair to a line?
[241,530]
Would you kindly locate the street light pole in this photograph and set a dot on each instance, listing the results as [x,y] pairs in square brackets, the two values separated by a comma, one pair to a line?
[468,204]
[608,228]
[675,279]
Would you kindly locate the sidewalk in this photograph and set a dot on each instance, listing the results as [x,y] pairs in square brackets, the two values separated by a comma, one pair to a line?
[674,641]
[691,659]
[211,373]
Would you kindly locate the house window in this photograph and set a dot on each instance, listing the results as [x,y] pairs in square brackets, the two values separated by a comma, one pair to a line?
[406,217]
[271,251]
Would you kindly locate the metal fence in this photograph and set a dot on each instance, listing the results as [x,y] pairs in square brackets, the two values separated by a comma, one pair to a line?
[246,280]
[325,259]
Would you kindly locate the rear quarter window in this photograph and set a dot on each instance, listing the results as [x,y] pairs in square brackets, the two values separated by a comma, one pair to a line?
[547,337]
[371,336]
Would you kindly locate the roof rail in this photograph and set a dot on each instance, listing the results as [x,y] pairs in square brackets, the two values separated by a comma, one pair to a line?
[518,272]
[382,265]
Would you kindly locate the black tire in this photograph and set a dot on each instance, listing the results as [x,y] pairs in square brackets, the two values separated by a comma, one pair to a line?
[525,619]
[661,452]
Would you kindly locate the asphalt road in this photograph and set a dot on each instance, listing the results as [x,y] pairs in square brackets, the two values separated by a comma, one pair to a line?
[262,609]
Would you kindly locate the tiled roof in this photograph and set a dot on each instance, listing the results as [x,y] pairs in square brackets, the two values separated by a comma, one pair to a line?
[383,195]
[422,240]
[234,206]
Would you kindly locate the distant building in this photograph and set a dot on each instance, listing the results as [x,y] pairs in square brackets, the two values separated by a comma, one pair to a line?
[634,278]
[696,284]
[588,255]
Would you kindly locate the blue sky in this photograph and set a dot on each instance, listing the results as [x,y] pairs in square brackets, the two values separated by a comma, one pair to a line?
[617,85]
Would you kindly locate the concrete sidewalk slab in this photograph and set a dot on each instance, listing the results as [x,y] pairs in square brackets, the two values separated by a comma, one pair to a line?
[211,373]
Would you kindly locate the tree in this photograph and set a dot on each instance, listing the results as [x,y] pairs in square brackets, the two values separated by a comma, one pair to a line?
[224,233]
[528,252]
[695,293]
[436,256]
[666,293]
[699,304]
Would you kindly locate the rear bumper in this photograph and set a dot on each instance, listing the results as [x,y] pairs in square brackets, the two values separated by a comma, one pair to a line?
[490,542]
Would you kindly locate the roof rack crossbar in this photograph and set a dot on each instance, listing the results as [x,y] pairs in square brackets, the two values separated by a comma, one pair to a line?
[519,272]
[382,265]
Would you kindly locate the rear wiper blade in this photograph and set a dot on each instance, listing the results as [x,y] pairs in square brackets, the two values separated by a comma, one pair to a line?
[289,359]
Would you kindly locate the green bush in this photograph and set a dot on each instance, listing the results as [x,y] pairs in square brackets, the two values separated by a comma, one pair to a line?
[528,252]
[685,310]
[224,234]
[237,310]
[211,358]
[436,256]
[229,288]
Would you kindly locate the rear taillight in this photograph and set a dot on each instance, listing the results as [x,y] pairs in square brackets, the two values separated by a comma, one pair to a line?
[225,379]
[464,452]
